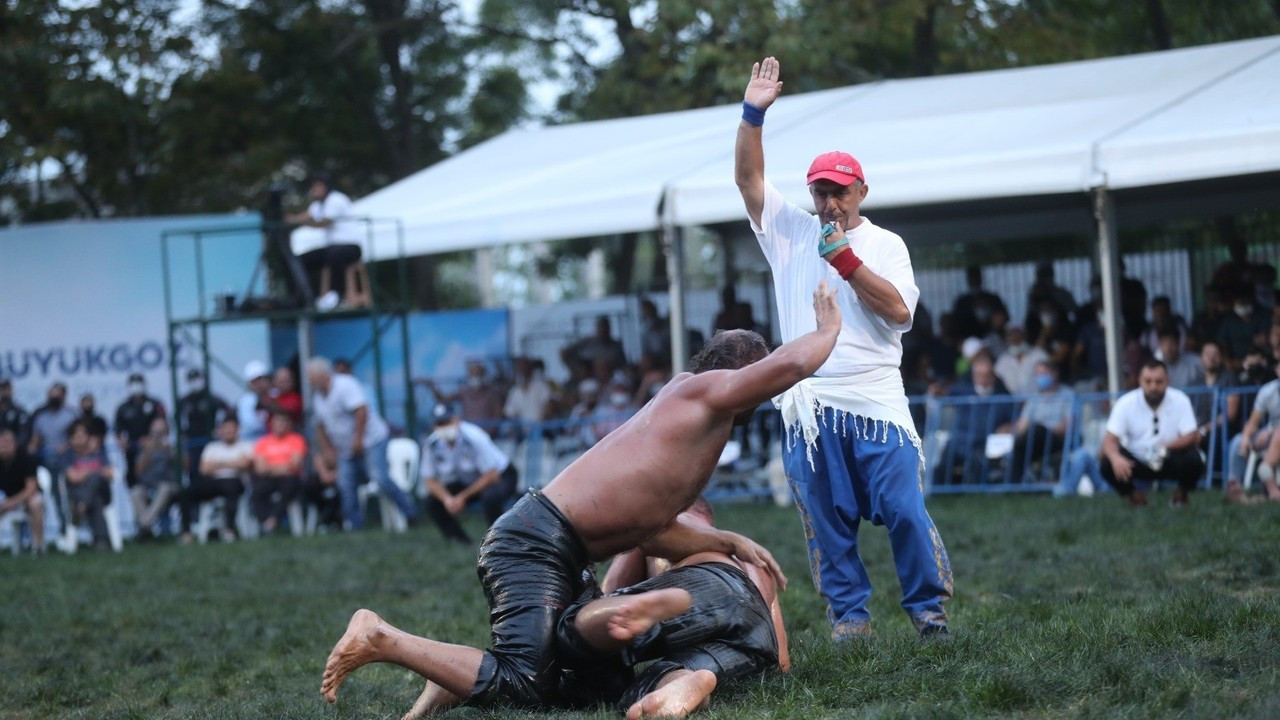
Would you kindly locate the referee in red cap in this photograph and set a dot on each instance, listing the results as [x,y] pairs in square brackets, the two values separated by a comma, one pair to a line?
[850,448]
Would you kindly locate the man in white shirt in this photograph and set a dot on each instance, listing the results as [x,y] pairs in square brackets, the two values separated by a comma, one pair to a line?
[850,450]
[224,464]
[1152,434]
[528,398]
[350,434]
[332,211]
[251,411]
[1016,366]
[460,463]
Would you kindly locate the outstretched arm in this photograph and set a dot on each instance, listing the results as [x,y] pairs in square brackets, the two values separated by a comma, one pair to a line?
[734,391]
[748,167]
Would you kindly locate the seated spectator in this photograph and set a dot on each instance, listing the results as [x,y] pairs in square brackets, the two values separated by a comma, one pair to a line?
[599,347]
[1051,331]
[337,261]
[1089,359]
[973,422]
[284,395]
[1041,430]
[1256,368]
[481,399]
[224,463]
[973,310]
[133,422]
[1216,376]
[88,412]
[1045,288]
[733,314]
[88,476]
[1205,324]
[1243,330]
[19,488]
[460,463]
[50,425]
[277,472]
[1152,434]
[321,490]
[614,411]
[1163,319]
[1016,367]
[994,339]
[655,336]
[12,415]
[1259,436]
[1184,369]
[529,398]
[157,484]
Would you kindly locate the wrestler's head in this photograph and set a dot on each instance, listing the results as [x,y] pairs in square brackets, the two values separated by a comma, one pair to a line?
[701,509]
[730,350]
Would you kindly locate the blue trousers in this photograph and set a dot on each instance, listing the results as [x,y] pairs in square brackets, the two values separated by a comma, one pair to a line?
[378,470]
[866,470]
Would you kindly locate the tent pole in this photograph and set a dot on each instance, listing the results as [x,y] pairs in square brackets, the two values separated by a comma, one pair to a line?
[1104,214]
[673,245]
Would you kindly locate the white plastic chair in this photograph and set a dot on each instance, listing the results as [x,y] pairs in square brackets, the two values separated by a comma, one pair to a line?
[402,462]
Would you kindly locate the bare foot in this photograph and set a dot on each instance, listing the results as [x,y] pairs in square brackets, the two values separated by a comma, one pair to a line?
[681,693]
[640,612]
[433,699]
[353,651]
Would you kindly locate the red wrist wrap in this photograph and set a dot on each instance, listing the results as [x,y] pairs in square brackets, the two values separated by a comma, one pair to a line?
[845,262]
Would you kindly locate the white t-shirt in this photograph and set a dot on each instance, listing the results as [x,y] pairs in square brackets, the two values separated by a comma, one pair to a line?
[1268,403]
[1141,429]
[337,207]
[1019,373]
[336,412]
[470,456]
[219,451]
[253,421]
[528,403]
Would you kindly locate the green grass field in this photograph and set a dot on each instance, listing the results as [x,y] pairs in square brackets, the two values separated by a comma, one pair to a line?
[1079,608]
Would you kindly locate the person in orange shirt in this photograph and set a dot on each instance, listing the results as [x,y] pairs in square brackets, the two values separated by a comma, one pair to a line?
[277,469]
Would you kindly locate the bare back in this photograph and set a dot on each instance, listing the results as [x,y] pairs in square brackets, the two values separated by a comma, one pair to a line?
[634,482]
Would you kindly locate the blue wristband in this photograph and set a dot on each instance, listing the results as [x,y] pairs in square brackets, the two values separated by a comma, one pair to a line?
[752,114]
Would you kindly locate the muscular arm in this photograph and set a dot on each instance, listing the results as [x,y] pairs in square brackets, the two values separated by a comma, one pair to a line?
[681,538]
[748,157]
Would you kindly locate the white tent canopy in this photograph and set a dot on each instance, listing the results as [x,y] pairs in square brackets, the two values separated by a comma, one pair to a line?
[1125,122]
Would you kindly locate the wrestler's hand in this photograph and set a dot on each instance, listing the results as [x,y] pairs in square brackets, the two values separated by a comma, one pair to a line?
[750,551]
[764,87]
[825,308]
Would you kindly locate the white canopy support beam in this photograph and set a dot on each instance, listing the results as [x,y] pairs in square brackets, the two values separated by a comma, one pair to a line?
[1104,214]
[673,246]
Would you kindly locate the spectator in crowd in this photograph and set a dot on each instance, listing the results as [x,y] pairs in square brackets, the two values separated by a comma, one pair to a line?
[277,471]
[1238,272]
[1265,287]
[18,486]
[253,408]
[460,463]
[89,413]
[994,339]
[1215,376]
[1205,323]
[133,422]
[12,415]
[614,411]
[992,410]
[199,413]
[1051,331]
[1184,369]
[49,428]
[1258,436]
[600,346]
[529,398]
[1016,367]
[1045,288]
[733,314]
[945,354]
[1133,304]
[224,463]
[1163,318]
[972,311]
[157,486]
[1089,359]
[1243,329]
[320,489]
[88,476]
[284,395]
[350,434]
[655,337]
[337,261]
[480,398]
[1041,430]
[1152,434]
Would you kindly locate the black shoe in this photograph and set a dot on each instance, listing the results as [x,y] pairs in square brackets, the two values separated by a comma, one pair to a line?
[933,631]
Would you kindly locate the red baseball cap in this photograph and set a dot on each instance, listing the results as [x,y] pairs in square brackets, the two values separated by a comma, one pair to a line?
[838,167]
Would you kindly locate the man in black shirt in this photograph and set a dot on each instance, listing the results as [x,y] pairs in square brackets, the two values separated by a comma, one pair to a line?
[133,422]
[18,486]
[199,413]
[12,415]
[88,413]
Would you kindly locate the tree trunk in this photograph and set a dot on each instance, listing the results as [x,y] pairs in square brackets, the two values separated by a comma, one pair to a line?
[387,17]
[926,42]
[1159,24]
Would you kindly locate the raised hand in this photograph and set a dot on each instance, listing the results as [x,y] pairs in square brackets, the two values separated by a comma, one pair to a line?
[825,308]
[764,87]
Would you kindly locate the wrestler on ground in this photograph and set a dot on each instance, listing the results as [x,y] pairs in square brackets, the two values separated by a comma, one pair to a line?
[850,449]
[623,493]
[705,620]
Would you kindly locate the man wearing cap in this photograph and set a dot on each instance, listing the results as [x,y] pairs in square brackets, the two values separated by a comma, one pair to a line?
[199,413]
[331,210]
[460,463]
[350,435]
[133,422]
[850,449]
[251,409]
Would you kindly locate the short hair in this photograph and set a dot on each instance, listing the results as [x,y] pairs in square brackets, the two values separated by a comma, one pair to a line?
[1168,332]
[320,365]
[1154,364]
[1161,300]
[78,424]
[230,418]
[729,350]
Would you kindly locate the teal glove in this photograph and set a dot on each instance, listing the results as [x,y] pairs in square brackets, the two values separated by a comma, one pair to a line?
[826,248]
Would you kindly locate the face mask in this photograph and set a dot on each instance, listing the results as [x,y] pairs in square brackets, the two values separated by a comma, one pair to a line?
[1044,382]
[1243,310]
[56,403]
[1018,349]
[619,399]
[196,385]
[1046,318]
[448,432]
[474,381]
[137,388]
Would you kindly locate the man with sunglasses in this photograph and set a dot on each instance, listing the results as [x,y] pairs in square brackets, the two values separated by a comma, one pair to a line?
[1152,434]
